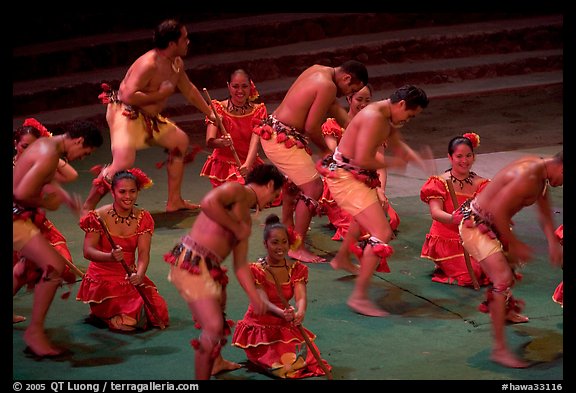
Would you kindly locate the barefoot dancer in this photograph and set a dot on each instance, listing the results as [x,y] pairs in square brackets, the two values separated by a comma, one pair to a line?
[284,135]
[223,227]
[351,175]
[34,188]
[133,113]
[487,235]
[24,272]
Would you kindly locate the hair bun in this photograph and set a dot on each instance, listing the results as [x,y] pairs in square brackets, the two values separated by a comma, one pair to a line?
[272,219]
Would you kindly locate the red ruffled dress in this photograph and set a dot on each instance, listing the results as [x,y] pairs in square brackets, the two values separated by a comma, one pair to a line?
[220,166]
[105,287]
[442,244]
[558,295]
[339,218]
[272,343]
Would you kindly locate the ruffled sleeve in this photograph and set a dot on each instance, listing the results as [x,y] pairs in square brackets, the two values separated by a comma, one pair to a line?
[219,111]
[299,272]
[90,223]
[331,127]
[257,273]
[260,113]
[145,223]
[434,188]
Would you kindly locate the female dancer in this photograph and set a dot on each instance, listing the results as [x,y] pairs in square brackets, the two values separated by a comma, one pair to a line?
[239,116]
[110,292]
[272,341]
[443,244]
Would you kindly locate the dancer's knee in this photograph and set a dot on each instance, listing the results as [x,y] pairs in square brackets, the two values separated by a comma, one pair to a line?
[53,273]
[210,343]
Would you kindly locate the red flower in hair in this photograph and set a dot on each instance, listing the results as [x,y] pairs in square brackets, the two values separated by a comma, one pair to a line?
[254,94]
[31,122]
[474,138]
[143,180]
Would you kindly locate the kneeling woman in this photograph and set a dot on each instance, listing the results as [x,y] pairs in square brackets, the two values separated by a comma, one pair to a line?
[273,342]
[110,292]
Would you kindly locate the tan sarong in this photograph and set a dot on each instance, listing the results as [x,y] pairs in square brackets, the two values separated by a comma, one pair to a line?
[293,162]
[349,193]
[126,132]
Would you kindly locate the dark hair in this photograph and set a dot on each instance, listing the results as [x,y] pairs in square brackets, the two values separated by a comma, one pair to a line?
[122,175]
[92,135]
[166,32]
[350,96]
[458,140]
[239,71]
[24,130]
[262,174]
[273,222]
[412,95]
[357,70]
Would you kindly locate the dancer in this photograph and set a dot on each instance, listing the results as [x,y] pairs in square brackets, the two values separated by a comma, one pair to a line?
[351,175]
[558,295]
[487,235]
[222,227]
[34,189]
[442,244]
[110,292]
[332,134]
[239,116]
[284,135]
[272,341]
[133,113]
[24,272]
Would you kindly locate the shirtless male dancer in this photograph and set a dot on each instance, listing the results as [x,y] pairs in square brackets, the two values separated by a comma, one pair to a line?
[486,233]
[285,134]
[133,113]
[222,228]
[34,189]
[352,177]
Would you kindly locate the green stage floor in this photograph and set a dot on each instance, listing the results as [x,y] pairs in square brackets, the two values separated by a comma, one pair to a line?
[434,332]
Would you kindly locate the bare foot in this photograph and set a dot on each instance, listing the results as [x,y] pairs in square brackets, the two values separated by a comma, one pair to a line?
[221,364]
[38,344]
[515,317]
[508,359]
[183,205]
[344,264]
[18,318]
[366,307]
[304,255]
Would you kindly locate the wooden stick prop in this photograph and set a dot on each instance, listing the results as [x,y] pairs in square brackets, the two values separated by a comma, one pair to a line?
[466,255]
[302,331]
[74,268]
[129,272]
[222,128]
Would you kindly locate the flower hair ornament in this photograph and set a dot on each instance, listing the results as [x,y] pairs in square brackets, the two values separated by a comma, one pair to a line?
[31,122]
[143,180]
[473,137]
[254,94]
